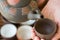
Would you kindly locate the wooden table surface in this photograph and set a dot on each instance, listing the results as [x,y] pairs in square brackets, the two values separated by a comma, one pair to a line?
[1,22]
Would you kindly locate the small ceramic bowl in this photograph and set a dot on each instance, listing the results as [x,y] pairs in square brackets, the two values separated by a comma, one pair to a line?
[8,31]
[45,28]
[24,32]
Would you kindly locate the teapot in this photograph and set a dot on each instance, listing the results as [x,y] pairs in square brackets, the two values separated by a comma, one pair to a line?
[21,11]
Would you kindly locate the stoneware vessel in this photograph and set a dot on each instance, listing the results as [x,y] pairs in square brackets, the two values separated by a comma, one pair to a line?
[45,28]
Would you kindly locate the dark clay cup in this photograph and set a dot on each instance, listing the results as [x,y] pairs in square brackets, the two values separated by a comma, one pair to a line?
[45,28]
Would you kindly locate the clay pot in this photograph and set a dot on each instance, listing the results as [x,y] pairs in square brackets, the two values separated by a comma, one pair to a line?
[18,14]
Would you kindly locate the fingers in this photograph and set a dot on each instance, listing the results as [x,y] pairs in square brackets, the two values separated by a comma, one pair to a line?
[57,35]
[33,33]
[36,38]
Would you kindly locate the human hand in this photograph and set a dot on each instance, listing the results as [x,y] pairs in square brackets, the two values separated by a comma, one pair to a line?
[52,11]
[34,36]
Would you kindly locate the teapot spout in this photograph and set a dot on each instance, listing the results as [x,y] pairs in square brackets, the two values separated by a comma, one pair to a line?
[33,15]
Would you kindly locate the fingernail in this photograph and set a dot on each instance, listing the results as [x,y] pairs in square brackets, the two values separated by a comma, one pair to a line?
[36,38]
[42,39]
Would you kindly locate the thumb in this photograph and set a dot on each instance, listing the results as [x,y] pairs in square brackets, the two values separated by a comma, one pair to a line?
[36,38]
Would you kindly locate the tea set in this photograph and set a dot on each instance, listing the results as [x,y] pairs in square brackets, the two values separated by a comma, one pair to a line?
[26,13]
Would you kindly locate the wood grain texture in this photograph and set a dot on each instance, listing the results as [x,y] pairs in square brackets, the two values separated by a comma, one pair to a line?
[1,21]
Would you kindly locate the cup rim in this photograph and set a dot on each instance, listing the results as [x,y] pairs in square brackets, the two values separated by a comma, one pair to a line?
[20,31]
[55,28]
